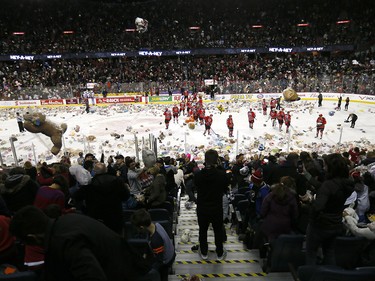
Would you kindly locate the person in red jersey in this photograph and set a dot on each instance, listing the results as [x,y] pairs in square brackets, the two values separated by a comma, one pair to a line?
[320,124]
[264,107]
[207,122]
[230,125]
[182,107]
[251,116]
[175,111]
[273,115]
[201,114]
[168,117]
[280,118]
[287,120]
[273,103]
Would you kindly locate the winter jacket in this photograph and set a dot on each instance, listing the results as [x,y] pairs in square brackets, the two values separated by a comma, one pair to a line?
[18,191]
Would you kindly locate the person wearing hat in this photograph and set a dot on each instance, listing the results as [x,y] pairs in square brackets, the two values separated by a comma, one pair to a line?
[30,170]
[260,188]
[320,124]
[230,125]
[120,168]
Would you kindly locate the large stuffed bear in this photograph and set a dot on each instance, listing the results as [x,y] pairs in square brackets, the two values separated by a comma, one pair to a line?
[37,123]
[290,95]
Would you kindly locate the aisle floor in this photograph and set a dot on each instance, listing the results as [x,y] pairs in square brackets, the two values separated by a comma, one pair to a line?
[240,264]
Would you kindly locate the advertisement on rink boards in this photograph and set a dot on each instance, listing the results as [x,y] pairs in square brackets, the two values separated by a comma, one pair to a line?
[111,100]
[160,99]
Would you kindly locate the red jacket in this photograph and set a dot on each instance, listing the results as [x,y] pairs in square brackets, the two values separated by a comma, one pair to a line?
[251,116]
[168,115]
[208,120]
[320,122]
[230,123]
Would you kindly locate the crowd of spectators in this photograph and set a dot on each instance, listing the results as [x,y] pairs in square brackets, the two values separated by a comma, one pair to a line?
[221,24]
[99,26]
[272,184]
[346,73]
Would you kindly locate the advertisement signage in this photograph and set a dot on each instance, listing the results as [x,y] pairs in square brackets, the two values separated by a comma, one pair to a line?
[52,102]
[115,100]
[160,99]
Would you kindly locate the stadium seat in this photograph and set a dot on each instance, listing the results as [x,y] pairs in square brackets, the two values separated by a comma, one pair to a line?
[335,273]
[20,276]
[348,251]
[285,253]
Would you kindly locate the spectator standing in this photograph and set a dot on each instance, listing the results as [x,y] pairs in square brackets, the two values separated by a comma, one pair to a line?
[325,222]
[104,197]
[212,183]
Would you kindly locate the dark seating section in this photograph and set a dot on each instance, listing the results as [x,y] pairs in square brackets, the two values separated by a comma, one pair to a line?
[334,273]
[286,253]
[20,276]
[349,250]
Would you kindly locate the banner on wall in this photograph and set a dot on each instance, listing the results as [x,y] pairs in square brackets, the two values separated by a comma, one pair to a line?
[52,102]
[114,100]
[160,99]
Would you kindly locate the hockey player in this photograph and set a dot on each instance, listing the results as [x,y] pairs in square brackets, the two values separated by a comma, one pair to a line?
[320,124]
[287,120]
[188,106]
[251,116]
[353,118]
[273,115]
[182,107]
[168,117]
[280,118]
[175,111]
[201,114]
[207,122]
[264,107]
[347,100]
[221,108]
[230,125]
[273,103]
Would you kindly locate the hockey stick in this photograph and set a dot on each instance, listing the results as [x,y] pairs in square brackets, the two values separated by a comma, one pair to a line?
[214,132]
[309,130]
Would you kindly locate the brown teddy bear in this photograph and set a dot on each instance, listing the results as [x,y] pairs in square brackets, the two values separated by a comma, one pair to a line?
[37,123]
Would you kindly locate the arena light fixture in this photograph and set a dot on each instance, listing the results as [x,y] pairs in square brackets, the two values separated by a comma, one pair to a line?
[303,24]
[130,29]
[343,21]
[257,26]
[194,28]
[18,33]
[68,32]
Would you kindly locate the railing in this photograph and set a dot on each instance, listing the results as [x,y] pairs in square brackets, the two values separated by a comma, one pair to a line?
[360,84]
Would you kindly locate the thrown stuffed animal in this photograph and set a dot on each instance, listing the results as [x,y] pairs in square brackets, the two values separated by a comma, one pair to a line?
[185,237]
[37,123]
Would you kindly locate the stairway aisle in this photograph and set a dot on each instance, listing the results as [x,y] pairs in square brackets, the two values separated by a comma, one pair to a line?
[240,264]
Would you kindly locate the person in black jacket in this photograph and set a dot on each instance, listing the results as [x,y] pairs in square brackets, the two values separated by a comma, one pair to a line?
[18,190]
[104,197]
[211,182]
[325,222]
[77,247]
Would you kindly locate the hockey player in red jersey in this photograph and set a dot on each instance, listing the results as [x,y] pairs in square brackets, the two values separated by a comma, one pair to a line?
[251,116]
[182,107]
[168,117]
[201,114]
[207,123]
[175,112]
[280,118]
[273,115]
[287,120]
[264,107]
[230,125]
[320,124]
[273,103]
